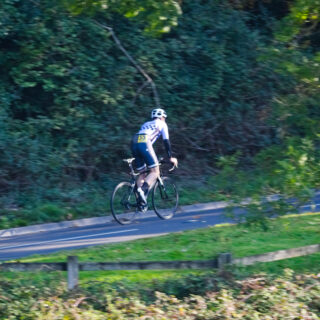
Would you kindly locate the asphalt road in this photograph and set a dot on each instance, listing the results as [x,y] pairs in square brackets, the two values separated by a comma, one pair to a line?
[47,242]
[15,247]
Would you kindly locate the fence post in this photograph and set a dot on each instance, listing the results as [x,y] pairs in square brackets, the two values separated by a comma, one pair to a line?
[73,272]
[223,260]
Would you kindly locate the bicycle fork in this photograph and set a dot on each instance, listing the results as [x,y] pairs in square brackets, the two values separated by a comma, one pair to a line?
[162,189]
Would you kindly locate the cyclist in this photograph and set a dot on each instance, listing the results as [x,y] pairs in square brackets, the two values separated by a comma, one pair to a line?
[143,152]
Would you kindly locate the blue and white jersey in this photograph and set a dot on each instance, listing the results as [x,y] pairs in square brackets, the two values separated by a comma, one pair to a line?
[154,129]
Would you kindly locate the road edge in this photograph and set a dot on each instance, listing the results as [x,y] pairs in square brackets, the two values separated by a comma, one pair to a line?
[53,226]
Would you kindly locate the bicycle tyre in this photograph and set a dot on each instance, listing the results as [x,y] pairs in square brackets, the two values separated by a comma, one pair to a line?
[123,203]
[165,198]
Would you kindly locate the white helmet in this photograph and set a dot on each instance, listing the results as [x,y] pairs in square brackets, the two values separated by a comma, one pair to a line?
[158,113]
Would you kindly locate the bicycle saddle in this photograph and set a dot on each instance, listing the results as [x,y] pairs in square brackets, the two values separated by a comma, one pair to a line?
[130,160]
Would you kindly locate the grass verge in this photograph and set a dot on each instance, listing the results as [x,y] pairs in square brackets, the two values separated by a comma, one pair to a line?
[285,232]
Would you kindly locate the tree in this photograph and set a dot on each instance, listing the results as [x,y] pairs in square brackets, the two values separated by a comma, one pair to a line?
[290,167]
[301,22]
[158,16]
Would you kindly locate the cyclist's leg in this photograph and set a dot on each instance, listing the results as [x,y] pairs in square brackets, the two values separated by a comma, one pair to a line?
[139,160]
[141,179]
[151,160]
[138,153]
[152,176]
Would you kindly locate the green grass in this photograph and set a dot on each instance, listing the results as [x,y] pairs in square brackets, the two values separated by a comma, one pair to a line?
[137,280]
[109,277]
[284,233]
[305,264]
[205,193]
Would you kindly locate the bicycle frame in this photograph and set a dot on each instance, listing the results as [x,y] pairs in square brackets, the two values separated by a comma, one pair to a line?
[134,174]
[129,198]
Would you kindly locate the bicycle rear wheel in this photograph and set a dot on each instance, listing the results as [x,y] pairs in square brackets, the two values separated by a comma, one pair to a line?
[165,198]
[123,203]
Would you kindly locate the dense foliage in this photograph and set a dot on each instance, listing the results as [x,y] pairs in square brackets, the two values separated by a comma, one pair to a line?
[236,77]
[288,296]
[290,166]
[157,16]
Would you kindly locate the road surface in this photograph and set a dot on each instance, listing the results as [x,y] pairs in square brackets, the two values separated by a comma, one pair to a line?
[15,247]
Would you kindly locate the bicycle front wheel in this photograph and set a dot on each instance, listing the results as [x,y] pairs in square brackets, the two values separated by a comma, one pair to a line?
[165,198]
[123,203]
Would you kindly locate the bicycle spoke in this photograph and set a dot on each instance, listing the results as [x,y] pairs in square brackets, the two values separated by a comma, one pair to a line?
[123,203]
[165,198]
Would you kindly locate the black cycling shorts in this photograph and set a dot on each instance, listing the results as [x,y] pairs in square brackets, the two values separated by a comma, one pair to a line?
[142,151]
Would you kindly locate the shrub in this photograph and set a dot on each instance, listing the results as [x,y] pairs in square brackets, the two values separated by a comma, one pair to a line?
[288,296]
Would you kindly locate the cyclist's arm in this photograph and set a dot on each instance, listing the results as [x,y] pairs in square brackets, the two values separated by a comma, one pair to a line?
[167,146]
[165,138]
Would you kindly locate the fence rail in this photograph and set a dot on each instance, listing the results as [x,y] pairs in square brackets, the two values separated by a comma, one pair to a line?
[278,255]
[72,266]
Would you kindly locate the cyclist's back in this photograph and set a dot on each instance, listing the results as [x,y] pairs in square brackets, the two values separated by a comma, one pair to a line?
[153,129]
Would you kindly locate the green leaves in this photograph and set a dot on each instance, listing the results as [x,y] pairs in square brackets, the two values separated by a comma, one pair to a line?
[287,295]
[158,17]
[303,18]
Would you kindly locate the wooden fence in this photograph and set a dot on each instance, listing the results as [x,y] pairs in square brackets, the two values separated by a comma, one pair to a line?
[72,266]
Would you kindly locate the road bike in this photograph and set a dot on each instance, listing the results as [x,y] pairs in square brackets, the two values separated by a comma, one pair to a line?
[125,202]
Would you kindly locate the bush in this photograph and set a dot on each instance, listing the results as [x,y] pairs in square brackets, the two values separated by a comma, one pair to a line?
[288,296]
[283,178]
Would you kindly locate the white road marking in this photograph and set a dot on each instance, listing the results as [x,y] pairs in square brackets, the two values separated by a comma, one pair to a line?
[311,206]
[66,239]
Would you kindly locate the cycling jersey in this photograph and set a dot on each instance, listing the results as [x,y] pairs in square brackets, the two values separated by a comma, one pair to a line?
[153,129]
[142,142]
